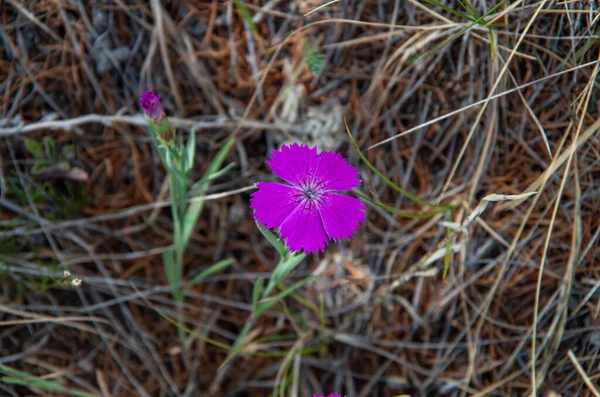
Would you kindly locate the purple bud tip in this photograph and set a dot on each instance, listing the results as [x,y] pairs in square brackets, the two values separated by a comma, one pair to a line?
[150,102]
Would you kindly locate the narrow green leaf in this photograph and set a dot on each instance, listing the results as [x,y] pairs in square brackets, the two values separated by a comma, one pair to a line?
[24,379]
[34,147]
[179,180]
[38,197]
[217,162]
[285,379]
[257,291]
[67,152]
[480,21]
[402,214]
[314,60]
[242,335]
[191,215]
[78,393]
[237,345]
[199,187]
[450,9]
[276,338]
[160,148]
[316,63]
[190,219]
[171,272]
[274,241]
[448,254]
[217,267]
[492,44]
[42,384]
[190,152]
[588,44]
[302,300]
[322,319]
[50,147]
[469,8]
[282,269]
[183,328]
[267,303]
[70,190]
[39,167]
[246,16]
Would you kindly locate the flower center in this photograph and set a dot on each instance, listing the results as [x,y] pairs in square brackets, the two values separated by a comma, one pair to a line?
[310,192]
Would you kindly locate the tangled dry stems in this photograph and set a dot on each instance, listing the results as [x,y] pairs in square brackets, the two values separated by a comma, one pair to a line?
[455,127]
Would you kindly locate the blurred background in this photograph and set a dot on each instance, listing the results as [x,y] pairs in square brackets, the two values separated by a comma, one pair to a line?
[451,100]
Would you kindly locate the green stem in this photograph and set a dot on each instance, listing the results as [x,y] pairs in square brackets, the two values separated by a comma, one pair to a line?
[179,251]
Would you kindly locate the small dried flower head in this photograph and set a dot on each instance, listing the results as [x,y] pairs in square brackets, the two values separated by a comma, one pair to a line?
[67,274]
[76,282]
[309,212]
[150,102]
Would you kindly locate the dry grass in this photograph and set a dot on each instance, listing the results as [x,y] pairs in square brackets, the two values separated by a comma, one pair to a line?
[518,311]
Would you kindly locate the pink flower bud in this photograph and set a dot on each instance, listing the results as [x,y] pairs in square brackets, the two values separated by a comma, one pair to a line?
[150,102]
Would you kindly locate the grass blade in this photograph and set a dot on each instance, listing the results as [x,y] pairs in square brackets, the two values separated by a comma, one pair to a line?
[200,186]
[257,291]
[266,304]
[190,152]
[282,270]
[402,214]
[21,378]
[246,16]
[193,211]
[469,8]
[217,267]
[478,21]
[450,9]
[388,181]
[172,275]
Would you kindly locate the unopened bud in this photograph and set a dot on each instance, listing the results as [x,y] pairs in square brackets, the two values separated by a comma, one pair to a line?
[150,102]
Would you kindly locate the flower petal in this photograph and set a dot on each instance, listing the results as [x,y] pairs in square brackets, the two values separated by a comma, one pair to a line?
[303,229]
[334,172]
[150,102]
[341,215]
[295,164]
[273,203]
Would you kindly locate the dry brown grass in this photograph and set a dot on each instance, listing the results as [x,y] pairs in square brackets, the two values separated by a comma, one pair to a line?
[517,314]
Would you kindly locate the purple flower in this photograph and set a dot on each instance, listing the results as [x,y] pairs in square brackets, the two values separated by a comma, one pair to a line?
[150,102]
[309,212]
